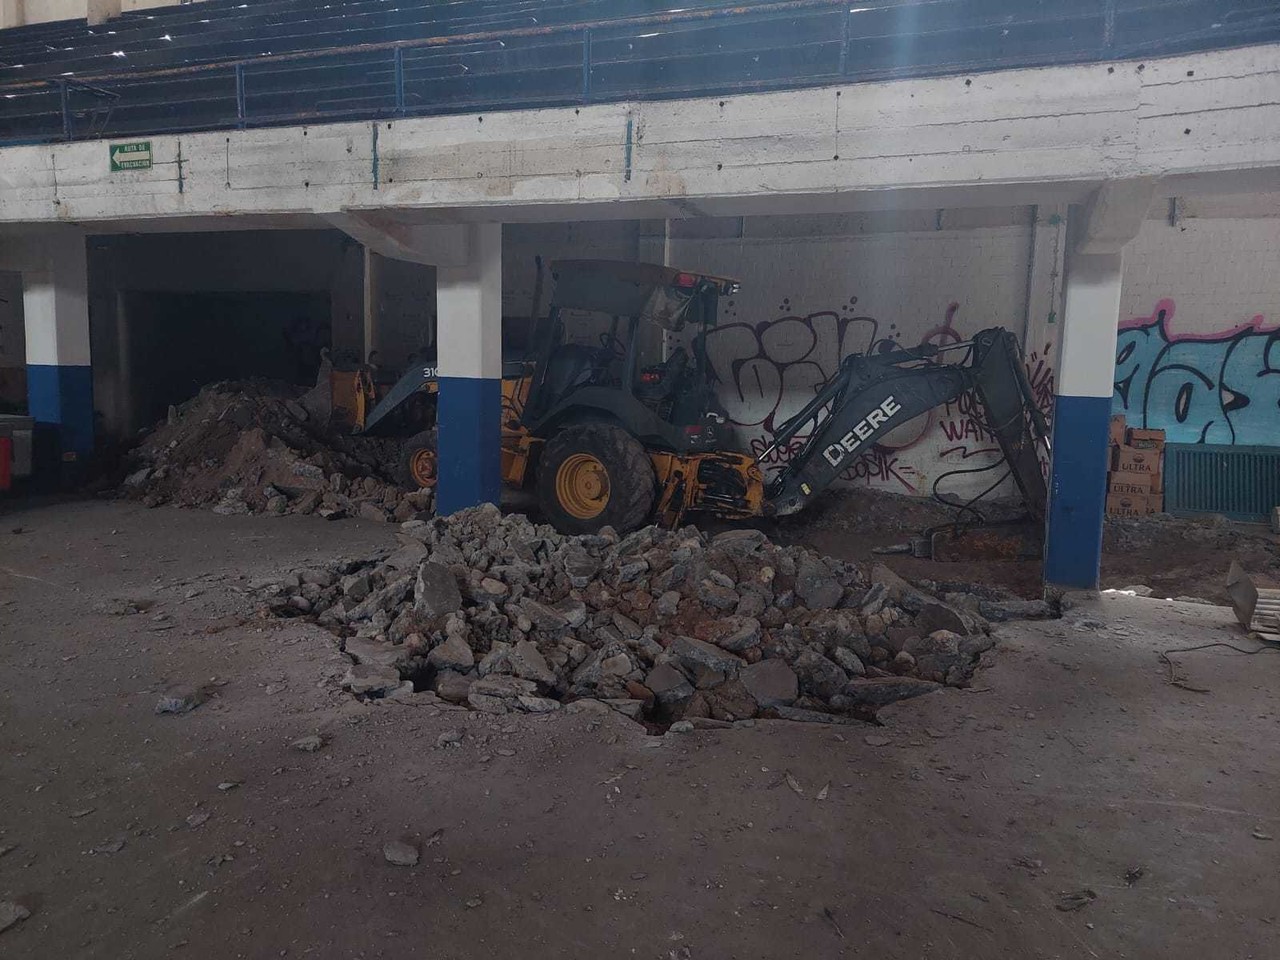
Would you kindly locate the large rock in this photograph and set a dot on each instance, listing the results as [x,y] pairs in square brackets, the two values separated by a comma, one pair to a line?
[436,593]
[670,687]
[453,654]
[737,633]
[544,618]
[879,691]
[452,686]
[706,663]
[849,661]
[370,679]
[771,683]
[730,701]
[528,663]
[815,586]
[939,616]
[375,652]
[385,600]
[503,686]
[717,596]
[818,675]
[936,654]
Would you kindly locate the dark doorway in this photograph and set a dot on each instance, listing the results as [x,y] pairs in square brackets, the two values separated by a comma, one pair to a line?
[172,344]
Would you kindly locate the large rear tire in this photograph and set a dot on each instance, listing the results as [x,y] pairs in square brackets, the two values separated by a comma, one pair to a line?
[419,465]
[595,475]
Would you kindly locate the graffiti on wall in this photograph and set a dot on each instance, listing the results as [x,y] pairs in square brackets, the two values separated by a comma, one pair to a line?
[1220,387]
[768,371]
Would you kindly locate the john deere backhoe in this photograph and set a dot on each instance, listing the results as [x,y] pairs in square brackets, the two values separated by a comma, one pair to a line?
[604,440]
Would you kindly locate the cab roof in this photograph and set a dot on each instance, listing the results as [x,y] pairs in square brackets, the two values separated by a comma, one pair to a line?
[629,288]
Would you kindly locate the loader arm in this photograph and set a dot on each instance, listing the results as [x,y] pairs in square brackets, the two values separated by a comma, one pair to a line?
[871,395]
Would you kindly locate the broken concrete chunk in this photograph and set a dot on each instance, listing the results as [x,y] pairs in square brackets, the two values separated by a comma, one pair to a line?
[374,652]
[181,699]
[771,683]
[817,675]
[815,586]
[371,679]
[452,686]
[435,592]
[12,913]
[737,633]
[696,656]
[454,654]
[670,687]
[879,691]
[400,854]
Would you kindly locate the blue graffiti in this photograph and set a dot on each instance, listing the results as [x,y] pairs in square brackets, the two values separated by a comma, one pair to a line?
[1222,388]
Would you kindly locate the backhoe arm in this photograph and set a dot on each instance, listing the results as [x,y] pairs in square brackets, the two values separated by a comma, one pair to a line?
[873,401]
[870,396]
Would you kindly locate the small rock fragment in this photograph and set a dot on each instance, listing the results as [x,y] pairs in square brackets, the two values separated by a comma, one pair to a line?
[400,853]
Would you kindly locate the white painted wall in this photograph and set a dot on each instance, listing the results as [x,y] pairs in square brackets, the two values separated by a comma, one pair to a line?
[16,13]
[1200,310]
[806,301]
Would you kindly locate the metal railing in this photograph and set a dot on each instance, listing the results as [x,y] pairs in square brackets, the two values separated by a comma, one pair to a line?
[720,50]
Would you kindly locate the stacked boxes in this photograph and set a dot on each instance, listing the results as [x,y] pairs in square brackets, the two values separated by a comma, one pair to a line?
[1135,485]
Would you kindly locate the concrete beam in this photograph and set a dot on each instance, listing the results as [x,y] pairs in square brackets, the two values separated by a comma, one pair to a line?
[434,245]
[1047,135]
[1114,215]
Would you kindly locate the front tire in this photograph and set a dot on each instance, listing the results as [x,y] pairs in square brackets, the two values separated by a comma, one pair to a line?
[595,475]
[419,465]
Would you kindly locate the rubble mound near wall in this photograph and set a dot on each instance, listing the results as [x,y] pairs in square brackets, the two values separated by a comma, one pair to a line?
[495,613]
[253,447]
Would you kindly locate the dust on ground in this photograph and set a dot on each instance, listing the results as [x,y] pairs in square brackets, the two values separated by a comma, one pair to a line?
[1044,812]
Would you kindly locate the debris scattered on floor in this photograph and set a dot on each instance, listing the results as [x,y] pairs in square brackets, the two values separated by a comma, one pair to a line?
[12,913]
[400,854]
[1076,900]
[251,447]
[500,615]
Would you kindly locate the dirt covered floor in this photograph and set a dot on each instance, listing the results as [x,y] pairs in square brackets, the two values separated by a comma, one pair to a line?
[1175,556]
[1071,803]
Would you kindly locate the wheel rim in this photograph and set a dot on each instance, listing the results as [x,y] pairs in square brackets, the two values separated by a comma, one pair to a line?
[422,467]
[582,486]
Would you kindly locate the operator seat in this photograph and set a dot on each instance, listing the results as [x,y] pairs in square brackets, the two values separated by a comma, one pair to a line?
[570,366]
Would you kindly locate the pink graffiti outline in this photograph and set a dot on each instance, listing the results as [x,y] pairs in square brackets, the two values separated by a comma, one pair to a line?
[1256,325]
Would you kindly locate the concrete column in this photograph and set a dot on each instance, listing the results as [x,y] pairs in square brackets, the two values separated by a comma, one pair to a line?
[11,14]
[1081,415]
[370,303]
[55,304]
[469,340]
[1097,235]
[100,11]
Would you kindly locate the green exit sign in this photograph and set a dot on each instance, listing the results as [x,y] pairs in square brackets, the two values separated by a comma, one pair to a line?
[131,156]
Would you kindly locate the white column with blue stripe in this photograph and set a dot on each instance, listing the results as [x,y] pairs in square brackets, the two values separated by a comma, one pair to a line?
[55,305]
[1081,417]
[469,337]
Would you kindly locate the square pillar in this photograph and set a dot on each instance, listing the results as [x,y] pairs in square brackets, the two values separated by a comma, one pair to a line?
[469,338]
[1081,419]
[55,304]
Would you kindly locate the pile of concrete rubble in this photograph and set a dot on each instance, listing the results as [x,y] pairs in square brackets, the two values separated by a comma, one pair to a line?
[499,614]
[253,447]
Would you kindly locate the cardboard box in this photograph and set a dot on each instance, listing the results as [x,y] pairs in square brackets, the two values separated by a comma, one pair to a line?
[1131,484]
[1128,460]
[1134,505]
[1117,429]
[1157,483]
[1141,439]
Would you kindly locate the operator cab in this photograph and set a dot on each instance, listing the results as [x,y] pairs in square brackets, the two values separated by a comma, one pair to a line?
[618,312]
